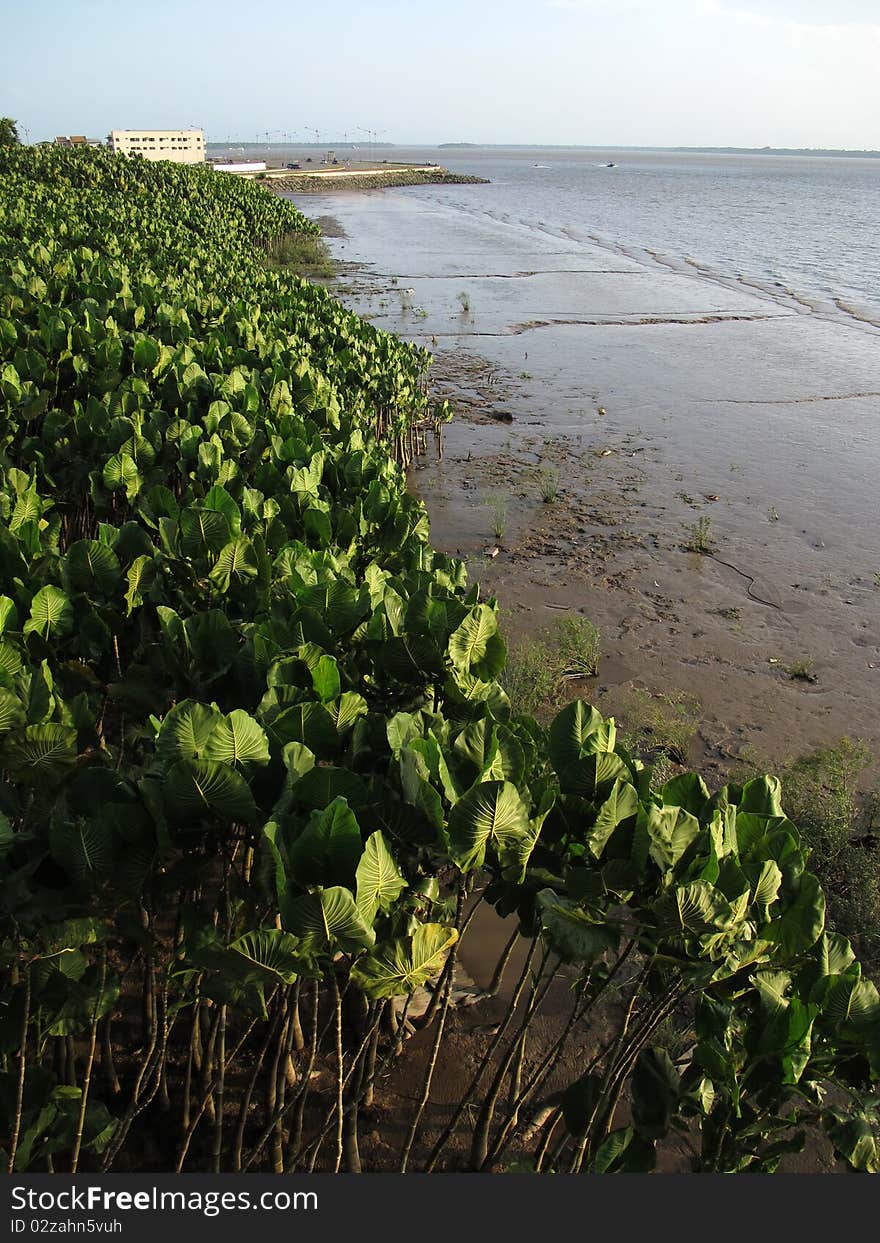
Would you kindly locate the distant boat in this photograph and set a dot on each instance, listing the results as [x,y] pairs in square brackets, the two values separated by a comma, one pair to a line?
[542,166]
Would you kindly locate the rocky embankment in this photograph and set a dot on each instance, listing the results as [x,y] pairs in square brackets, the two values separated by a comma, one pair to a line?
[323,183]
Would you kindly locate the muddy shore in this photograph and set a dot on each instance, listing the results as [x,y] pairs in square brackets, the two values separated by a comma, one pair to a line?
[657,401]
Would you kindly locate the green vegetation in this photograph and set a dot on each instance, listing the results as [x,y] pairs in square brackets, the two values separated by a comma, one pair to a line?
[302,254]
[498,515]
[8,132]
[802,670]
[538,667]
[841,824]
[661,724]
[256,762]
[577,641]
[700,538]
[548,483]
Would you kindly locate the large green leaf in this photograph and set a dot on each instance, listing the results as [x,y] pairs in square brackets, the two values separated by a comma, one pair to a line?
[203,532]
[11,711]
[39,753]
[331,918]
[327,851]
[491,813]
[800,924]
[237,565]
[140,578]
[671,831]
[8,615]
[51,613]
[194,787]
[186,731]
[571,932]
[308,723]
[620,805]
[90,564]
[121,471]
[345,710]
[221,502]
[571,733]
[476,646]
[325,678]
[237,739]
[272,953]
[323,783]
[592,775]
[379,882]
[655,1092]
[403,965]
[85,847]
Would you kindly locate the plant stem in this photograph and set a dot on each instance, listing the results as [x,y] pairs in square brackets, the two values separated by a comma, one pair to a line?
[22,1066]
[484,1064]
[90,1060]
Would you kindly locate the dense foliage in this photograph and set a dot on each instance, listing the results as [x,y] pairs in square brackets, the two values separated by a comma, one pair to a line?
[258,768]
[8,132]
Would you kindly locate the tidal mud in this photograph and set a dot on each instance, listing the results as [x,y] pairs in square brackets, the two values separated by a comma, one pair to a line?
[657,397]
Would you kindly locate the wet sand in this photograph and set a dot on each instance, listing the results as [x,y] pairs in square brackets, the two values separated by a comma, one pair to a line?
[722,401]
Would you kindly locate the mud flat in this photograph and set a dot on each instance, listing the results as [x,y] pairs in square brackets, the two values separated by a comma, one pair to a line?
[657,398]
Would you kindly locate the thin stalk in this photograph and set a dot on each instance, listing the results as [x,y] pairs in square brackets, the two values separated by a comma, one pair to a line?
[550,1124]
[22,1066]
[207,1095]
[294,1101]
[190,1063]
[351,1115]
[501,966]
[484,1064]
[302,1095]
[448,972]
[221,1084]
[539,1076]
[480,1145]
[340,1067]
[107,1064]
[371,1068]
[280,1094]
[271,1029]
[90,1061]
[316,1145]
[299,1042]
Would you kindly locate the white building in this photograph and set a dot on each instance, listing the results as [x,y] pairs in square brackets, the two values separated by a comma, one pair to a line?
[183,146]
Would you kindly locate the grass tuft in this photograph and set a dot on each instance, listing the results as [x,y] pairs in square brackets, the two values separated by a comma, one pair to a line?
[301,254]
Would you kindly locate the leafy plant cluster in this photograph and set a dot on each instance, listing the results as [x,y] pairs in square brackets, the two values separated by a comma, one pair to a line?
[259,773]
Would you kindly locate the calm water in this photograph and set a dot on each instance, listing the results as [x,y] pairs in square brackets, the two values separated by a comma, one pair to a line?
[804,226]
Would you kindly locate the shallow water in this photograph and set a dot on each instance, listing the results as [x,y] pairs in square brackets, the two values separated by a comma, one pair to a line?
[724,399]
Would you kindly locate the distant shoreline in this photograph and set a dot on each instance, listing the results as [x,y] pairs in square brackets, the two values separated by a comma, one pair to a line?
[817,151]
[325,182]
[820,152]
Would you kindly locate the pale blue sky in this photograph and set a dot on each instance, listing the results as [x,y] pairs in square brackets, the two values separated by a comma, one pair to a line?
[801,73]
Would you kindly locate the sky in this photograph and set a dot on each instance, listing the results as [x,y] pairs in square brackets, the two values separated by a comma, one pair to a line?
[751,73]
